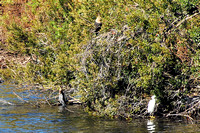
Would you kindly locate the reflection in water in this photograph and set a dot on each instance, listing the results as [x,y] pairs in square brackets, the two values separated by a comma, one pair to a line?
[150,126]
[4,102]
[61,109]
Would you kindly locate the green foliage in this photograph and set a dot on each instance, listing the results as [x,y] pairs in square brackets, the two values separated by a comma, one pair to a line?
[144,47]
[21,41]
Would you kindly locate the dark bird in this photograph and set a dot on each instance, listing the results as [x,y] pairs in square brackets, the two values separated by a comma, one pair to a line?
[98,25]
[1,80]
[61,98]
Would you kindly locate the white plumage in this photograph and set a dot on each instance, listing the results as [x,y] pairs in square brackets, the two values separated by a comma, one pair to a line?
[151,104]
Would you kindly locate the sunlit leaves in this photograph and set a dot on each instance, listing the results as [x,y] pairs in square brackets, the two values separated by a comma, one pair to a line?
[158,52]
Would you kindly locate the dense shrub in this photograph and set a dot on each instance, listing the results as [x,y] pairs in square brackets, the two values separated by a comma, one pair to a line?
[143,48]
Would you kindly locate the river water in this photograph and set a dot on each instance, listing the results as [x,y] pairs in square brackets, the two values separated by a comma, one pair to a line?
[26,118]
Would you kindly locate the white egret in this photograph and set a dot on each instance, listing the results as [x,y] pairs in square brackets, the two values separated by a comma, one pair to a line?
[151,105]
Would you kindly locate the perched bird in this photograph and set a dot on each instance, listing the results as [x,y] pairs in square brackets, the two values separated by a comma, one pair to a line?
[151,105]
[97,24]
[1,80]
[61,98]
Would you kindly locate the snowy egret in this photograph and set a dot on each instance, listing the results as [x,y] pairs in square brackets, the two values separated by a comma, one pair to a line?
[151,105]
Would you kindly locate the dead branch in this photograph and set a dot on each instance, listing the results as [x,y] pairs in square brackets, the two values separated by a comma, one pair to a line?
[189,17]
[183,115]
[20,98]
[69,110]
[47,101]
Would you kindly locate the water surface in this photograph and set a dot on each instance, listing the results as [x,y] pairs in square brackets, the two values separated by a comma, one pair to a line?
[25,118]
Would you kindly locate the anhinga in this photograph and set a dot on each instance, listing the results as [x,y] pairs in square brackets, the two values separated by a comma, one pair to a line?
[61,98]
[97,24]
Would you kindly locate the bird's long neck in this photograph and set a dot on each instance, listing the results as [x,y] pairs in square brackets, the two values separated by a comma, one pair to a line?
[63,95]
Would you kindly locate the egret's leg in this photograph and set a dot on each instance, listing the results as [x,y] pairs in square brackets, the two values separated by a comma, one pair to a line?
[152,117]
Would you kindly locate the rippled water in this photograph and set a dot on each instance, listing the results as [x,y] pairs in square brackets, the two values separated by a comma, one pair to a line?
[25,118]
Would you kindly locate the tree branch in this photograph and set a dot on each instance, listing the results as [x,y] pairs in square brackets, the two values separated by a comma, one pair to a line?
[182,21]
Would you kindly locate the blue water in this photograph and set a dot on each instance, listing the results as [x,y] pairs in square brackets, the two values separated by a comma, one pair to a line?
[44,118]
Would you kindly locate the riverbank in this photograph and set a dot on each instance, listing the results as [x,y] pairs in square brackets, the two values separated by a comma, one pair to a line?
[185,107]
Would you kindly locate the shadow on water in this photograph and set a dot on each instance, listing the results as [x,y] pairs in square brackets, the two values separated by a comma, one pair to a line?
[25,118]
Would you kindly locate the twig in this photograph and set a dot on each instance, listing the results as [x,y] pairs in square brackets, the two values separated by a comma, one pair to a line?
[173,26]
[85,19]
[47,101]
[186,19]
[192,106]
[69,110]
[75,101]
[20,97]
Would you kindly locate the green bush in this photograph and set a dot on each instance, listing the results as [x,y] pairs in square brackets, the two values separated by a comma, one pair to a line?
[144,47]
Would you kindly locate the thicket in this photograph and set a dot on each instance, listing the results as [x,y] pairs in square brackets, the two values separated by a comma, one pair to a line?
[143,48]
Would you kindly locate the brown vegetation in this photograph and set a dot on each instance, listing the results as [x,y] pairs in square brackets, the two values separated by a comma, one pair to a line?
[7,58]
[14,12]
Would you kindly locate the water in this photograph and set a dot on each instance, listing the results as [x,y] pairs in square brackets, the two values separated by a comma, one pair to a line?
[26,118]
